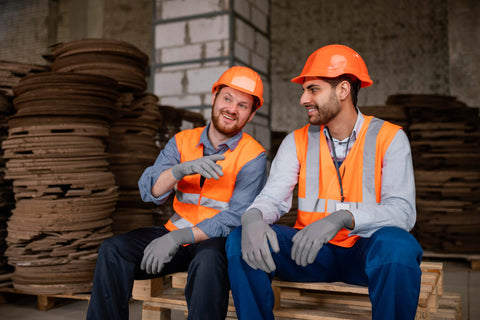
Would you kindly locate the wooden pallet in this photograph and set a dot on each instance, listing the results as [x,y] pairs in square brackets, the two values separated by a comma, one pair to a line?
[472,259]
[296,300]
[44,302]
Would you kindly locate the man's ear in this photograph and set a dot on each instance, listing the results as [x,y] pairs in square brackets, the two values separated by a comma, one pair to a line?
[343,89]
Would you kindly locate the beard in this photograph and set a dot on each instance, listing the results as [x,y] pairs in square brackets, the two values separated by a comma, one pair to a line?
[227,130]
[326,113]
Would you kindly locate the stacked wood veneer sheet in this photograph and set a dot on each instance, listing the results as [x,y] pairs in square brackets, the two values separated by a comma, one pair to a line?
[10,75]
[132,148]
[445,139]
[131,143]
[64,190]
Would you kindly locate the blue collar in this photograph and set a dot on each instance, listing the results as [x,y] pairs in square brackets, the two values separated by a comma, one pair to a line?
[231,143]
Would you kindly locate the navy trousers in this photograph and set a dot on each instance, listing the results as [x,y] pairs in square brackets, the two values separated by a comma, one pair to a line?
[118,265]
[388,263]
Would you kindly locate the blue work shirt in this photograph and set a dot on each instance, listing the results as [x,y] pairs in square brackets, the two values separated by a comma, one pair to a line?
[250,181]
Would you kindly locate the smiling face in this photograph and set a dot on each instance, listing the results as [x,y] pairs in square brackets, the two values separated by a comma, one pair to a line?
[231,110]
[320,101]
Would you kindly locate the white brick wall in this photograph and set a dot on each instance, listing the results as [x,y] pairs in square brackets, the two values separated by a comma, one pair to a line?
[180,8]
[207,29]
[260,19]
[201,80]
[216,49]
[242,7]
[188,86]
[168,83]
[244,34]
[182,101]
[242,53]
[170,34]
[188,52]
[262,45]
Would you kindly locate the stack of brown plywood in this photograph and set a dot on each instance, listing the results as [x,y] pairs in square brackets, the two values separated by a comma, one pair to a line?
[132,148]
[445,140]
[10,75]
[131,143]
[11,72]
[116,59]
[64,191]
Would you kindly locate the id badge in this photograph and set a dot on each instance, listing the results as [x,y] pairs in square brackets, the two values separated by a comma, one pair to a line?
[342,206]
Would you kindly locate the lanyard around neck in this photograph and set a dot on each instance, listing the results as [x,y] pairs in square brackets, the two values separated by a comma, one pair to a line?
[335,162]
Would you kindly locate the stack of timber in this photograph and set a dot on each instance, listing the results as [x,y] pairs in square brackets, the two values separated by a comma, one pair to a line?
[12,72]
[306,300]
[64,191]
[10,75]
[131,143]
[116,59]
[444,135]
[132,148]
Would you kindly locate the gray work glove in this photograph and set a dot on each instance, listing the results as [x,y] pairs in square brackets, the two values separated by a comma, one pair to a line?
[205,166]
[161,250]
[308,241]
[256,235]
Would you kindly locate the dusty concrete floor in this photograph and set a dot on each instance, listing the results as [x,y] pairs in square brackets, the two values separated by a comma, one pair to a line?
[458,277]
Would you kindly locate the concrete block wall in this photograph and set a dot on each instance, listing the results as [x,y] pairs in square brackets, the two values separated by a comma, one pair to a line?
[409,47]
[195,41]
[23,31]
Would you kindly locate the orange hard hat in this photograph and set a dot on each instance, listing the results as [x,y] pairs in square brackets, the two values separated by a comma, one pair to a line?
[332,61]
[243,79]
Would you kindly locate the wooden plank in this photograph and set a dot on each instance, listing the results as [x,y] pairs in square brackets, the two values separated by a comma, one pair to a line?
[320,301]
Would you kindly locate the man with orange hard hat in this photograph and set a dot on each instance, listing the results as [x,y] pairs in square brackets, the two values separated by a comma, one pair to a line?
[356,201]
[217,170]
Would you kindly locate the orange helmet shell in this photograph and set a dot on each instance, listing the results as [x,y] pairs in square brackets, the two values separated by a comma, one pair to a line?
[335,60]
[243,79]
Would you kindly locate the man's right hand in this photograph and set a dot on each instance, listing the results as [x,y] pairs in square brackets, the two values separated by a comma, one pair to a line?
[256,236]
[204,166]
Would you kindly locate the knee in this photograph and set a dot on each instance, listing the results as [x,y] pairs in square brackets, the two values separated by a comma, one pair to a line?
[111,246]
[208,261]
[396,245]
[233,246]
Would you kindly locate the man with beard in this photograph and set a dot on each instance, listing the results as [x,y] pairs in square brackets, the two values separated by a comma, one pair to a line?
[217,170]
[356,201]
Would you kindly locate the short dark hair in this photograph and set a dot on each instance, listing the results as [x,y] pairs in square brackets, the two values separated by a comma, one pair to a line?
[354,85]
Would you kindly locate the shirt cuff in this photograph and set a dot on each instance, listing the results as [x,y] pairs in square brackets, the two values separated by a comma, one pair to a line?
[213,229]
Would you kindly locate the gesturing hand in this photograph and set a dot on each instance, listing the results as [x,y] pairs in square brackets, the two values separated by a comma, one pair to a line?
[205,166]
[161,250]
[308,241]
[256,236]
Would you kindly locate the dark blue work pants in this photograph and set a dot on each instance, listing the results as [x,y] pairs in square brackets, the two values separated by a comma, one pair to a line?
[387,262]
[118,264]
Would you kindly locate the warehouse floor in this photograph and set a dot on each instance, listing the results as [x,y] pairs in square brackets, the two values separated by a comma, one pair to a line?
[458,277]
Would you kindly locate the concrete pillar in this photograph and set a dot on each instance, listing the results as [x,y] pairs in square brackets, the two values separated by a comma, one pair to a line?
[195,41]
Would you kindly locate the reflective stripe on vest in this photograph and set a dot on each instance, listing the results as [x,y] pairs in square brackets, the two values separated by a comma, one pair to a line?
[368,180]
[193,198]
[194,203]
[318,194]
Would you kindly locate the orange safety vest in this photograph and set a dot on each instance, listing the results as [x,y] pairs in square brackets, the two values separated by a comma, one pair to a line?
[192,203]
[318,185]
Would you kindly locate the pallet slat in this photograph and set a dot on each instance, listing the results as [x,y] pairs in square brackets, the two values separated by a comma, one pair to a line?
[315,301]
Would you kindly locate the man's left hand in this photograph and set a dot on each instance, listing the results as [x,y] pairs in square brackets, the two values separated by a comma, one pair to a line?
[161,250]
[308,241]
